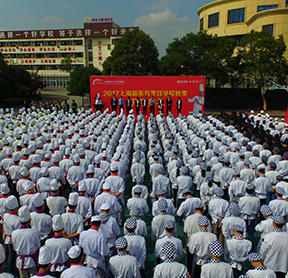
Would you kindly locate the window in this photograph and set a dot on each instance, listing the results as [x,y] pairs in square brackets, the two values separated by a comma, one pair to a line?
[108,46]
[268,28]
[267,7]
[201,24]
[90,57]
[213,20]
[235,16]
[89,44]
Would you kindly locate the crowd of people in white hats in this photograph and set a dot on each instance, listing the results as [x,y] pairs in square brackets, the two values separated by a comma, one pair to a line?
[216,178]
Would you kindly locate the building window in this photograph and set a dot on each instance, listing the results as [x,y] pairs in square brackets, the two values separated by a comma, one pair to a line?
[235,16]
[108,46]
[201,24]
[89,44]
[267,7]
[90,57]
[268,28]
[213,20]
[113,41]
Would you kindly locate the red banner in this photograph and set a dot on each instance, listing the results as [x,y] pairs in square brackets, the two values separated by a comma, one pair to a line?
[189,89]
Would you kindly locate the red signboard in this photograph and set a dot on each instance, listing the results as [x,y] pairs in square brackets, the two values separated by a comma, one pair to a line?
[190,89]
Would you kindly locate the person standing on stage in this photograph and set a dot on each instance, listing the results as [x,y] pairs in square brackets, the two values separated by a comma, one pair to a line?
[137,105]
[121,103]
[128,104]
[114,103]
[168,105]
[152,105]
[160,105]
[179,105]
[144,105]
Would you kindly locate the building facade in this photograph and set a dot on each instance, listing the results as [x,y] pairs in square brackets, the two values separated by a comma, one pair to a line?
[236,18]
[42,51]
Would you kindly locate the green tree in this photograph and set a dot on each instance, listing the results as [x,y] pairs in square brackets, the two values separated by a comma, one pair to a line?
[134,54]
[66,63]
[199,54]
[79,84]
[261,55]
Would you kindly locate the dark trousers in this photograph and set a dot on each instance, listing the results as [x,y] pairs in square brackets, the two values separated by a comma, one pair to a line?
[189,261]
[144,111]
[152,110]
[168,109]
[250,224]
[137,110]
[197,271]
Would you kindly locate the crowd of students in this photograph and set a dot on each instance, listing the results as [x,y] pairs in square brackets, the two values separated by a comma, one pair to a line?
[219,178]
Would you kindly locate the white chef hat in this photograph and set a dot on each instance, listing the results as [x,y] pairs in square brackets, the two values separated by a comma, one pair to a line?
[27,186]
[38,200]
[82,186]
[73,198]
[74,252]
[54,185]
[24,214]
[45,255]
[12,202]
[57,223]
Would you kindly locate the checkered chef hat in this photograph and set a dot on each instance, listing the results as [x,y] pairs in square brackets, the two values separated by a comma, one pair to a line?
[219,191]
[234,209]
[266,210]
[278,220]
[254,257]
[216,248]
[203,221]
[168,224]
[135,211]
[280,190]
[238,228]
[169,249]
[131,223]
[121,243]
[162,205]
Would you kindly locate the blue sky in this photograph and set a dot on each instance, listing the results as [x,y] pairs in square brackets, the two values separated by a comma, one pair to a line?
[163,20]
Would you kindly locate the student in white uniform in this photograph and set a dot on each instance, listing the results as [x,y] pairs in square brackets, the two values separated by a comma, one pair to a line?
[95,246]
[56,203]
[26,242]
[123,264]
[238,249]
[3,274]
[170,268]
[84,206]
[137,201]
[157,229]
[11,223]
[274,248]
[41,221]
[169,227]
[44,260]
[76,256]
[73,222]
[259,270]
[198,244]
[141,229]
[217,209]
[136,243]
[109,228]
[215,268]
[59,247]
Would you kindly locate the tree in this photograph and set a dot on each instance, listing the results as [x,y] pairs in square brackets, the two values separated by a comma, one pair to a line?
[261,55]
[66,63]
[199,54]
[134,54]
[79,84]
